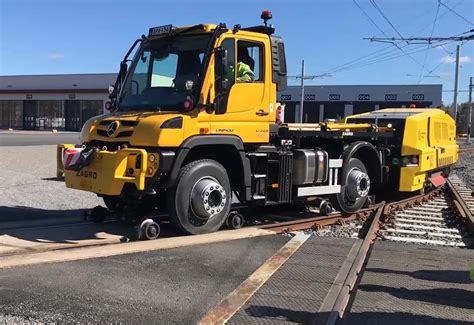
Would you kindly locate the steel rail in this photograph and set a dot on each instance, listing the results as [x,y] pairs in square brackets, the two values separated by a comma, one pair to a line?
[467,149]
[338,296]
[461,206]
[317,222]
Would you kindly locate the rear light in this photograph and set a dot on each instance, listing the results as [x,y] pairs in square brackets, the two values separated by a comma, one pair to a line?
[188,104]
[410,161]
[280,114]
[406,161]
[109,106]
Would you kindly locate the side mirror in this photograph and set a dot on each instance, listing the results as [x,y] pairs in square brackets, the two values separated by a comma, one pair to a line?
[221,69]
[111,89]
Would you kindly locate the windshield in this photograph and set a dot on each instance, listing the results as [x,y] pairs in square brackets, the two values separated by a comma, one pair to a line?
[164,72]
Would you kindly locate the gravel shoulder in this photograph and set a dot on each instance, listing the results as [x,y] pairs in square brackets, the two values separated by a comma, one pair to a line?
[29,188]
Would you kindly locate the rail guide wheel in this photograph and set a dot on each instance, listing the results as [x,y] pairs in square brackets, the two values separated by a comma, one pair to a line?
[149,230]
[325,208]
[235,220]
[96,214]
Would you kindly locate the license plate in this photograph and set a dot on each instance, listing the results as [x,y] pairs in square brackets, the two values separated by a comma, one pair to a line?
[87,174]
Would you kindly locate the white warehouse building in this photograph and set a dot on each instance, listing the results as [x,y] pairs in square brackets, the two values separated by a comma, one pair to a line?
[333,102]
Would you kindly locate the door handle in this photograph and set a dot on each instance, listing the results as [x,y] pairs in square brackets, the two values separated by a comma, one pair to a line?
[261,112]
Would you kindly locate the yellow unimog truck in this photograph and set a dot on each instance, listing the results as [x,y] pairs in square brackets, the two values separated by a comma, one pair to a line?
[186,138]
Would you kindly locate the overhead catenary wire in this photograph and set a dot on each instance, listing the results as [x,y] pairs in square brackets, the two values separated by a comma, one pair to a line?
[388,52]
[385,17]
[455,12]
[395,29]
[437,66]
[386,56]
[382,59]
[368,16]
[355,62]
[379,52]
[429,45]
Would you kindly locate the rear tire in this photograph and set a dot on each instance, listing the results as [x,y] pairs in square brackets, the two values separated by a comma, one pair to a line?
[355,186]
[200,201]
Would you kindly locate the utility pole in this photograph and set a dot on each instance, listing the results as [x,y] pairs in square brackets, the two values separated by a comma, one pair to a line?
[469,109]
[300,115]
[455,100]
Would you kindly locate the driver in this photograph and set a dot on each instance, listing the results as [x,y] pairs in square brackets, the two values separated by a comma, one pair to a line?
[244,66]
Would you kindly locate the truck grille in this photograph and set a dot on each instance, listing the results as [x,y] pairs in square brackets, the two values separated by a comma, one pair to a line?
[125,128]
[122,134]
[124,123]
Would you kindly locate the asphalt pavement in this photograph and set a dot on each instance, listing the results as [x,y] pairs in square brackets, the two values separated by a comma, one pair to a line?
[174,286]
[35,138]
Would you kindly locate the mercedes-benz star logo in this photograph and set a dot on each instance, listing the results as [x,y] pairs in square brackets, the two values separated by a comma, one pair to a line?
[112,128]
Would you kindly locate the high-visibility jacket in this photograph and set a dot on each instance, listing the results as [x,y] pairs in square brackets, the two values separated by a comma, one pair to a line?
[244,73]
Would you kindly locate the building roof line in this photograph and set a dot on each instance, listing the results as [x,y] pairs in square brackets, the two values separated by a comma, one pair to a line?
[368,85]
[56,91]
[60,74]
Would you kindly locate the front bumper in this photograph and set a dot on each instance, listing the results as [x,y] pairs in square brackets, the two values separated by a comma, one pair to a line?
[108,173]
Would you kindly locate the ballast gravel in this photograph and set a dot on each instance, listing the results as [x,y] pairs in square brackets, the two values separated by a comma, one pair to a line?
[464,168]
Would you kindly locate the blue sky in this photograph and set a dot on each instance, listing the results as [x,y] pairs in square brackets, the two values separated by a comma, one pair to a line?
[72,36]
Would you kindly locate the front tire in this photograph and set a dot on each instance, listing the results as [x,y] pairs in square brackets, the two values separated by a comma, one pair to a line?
[200,201]
[355,186]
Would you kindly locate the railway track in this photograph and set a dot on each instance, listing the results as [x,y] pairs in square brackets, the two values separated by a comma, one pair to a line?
[425,219]
[442,217]
[433,222]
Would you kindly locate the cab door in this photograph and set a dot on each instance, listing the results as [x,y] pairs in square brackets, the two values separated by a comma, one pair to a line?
[246,105]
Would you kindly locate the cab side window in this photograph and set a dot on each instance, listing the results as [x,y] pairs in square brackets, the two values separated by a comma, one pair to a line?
[249,61]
